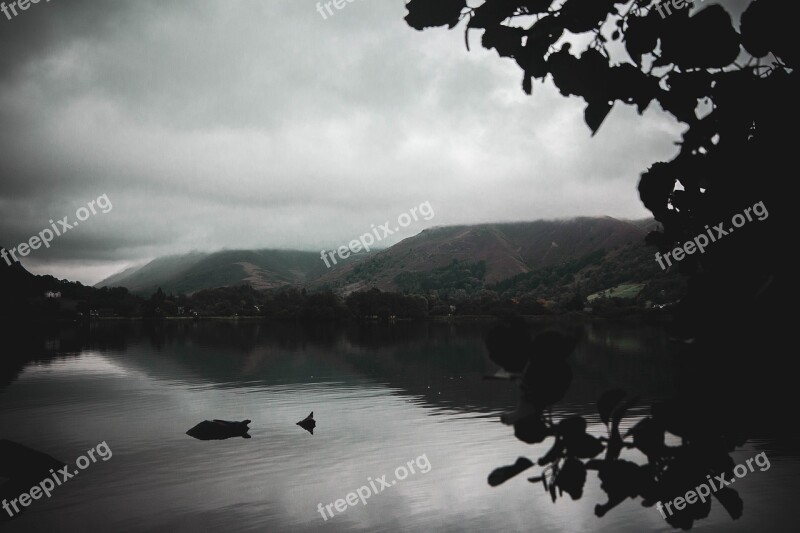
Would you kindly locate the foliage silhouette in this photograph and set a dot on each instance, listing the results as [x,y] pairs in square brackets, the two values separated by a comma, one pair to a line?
[670,471]
[735,91]
[745,80]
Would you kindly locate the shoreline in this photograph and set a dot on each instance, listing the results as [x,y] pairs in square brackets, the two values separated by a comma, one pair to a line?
[637,318]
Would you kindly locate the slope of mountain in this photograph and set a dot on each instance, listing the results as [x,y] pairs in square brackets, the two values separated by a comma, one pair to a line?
[506,250]
[262,269]
[115,279]
[161,270]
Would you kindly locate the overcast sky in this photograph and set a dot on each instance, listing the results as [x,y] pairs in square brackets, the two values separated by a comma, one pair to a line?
[259,124]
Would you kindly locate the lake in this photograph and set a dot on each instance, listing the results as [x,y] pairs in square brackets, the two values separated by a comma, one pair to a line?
[383,396]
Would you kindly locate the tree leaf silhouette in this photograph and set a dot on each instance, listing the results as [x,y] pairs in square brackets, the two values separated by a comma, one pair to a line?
[504,473]
[596,113]
[648,437]
[509,345]
[572,477]
[531,429]
[426,14]
[607,402]
[507,41]
[704,40]
[731,501]
[641,36]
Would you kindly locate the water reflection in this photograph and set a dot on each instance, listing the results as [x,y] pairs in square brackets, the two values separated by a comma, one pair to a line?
[687,440]
[387,394]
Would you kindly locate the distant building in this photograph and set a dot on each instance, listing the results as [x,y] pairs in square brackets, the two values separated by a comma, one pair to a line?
[52,294]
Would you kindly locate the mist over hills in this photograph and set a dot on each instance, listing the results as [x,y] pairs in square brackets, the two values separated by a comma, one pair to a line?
[195,271]
[505,250]
[599,266]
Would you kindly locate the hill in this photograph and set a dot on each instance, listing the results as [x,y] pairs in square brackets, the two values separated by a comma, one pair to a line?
[504,250]
[530,268]
[27,296]
[189,273]
[544,263]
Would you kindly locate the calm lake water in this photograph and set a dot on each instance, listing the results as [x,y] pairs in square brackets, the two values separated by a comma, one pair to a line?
[383,395]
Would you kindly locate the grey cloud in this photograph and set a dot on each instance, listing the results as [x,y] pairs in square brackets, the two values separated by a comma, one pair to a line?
[258,124]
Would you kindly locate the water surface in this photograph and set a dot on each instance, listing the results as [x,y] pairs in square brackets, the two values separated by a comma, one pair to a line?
[383,395]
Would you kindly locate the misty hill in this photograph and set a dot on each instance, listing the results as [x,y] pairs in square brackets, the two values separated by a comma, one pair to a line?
[504,251]
[189,273]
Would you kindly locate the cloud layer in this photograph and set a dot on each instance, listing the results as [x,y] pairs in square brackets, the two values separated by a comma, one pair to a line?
[251,124]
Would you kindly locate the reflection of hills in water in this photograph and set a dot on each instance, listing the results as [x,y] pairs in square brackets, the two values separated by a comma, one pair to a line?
[440,364]
[36,343]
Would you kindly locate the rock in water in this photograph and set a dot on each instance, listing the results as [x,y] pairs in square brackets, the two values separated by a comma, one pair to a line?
[308,423]
[219,430]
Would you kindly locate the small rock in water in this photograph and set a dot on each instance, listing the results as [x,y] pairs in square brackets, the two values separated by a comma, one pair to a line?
[308,423]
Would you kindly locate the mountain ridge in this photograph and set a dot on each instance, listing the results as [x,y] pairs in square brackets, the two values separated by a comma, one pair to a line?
[507,249]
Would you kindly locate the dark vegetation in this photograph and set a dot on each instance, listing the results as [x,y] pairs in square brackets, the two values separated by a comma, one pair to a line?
[459,289]
[735,89]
